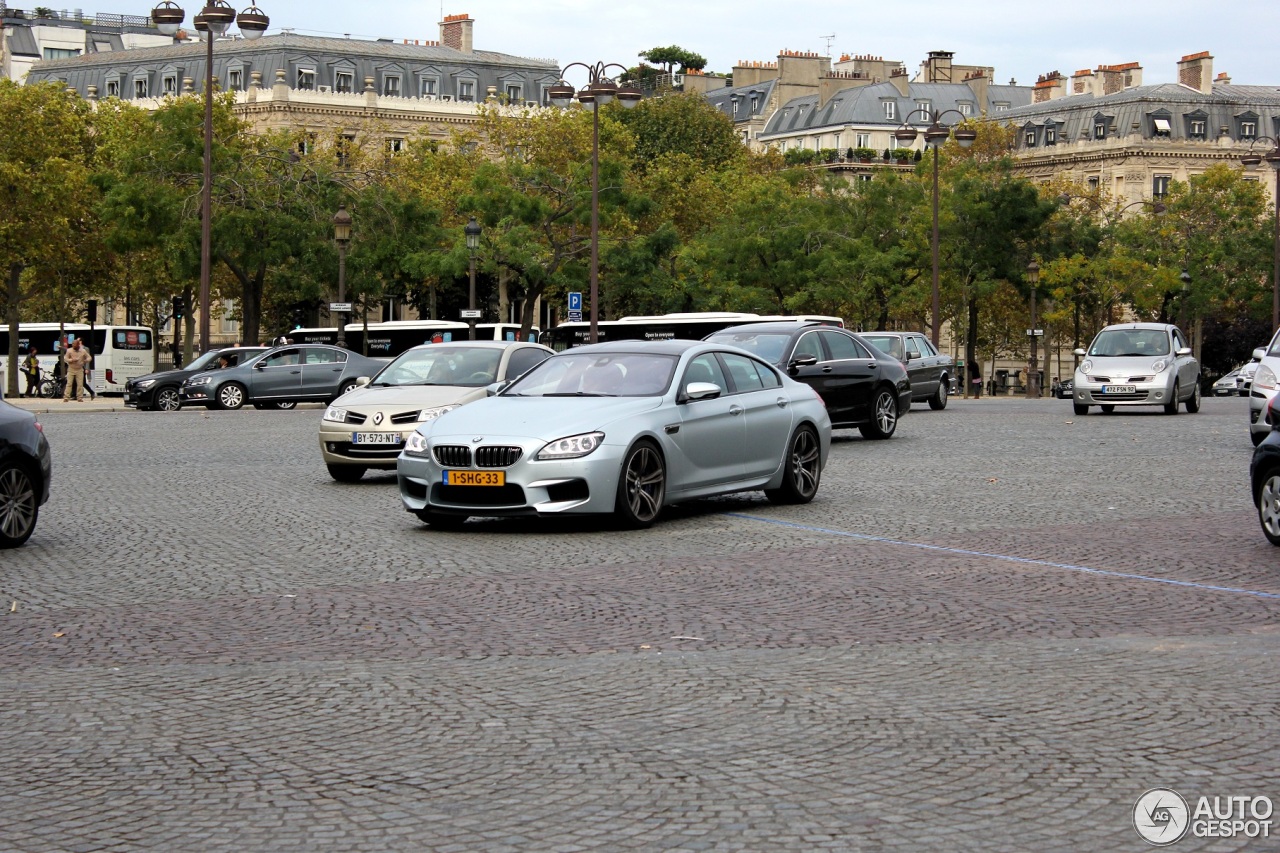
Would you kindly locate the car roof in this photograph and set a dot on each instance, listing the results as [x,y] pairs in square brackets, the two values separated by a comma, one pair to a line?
[469,344]
[787,326]
[884,334]
[1145,326]
[670,347]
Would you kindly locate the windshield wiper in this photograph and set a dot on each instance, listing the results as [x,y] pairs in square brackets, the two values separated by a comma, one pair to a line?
[578,394]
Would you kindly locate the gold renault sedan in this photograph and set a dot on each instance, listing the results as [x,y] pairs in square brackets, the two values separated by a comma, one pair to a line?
[366,428]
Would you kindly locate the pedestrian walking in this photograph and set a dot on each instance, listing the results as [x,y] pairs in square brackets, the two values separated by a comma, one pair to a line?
[76,358]
[88,375]
[31,370]
[1056,388]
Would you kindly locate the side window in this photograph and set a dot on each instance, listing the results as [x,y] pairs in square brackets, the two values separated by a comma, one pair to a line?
[926,346]
[523,359]
[842,347]
[743,371]
[809,345]
[284,358]
[910,343]
[316,355]
[768,377]
[706,368]
[1178,343]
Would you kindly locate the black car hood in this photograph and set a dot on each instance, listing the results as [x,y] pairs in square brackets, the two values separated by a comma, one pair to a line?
[166,374]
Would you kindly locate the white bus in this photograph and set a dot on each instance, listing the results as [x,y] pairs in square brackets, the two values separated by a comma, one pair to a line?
[390,338]
[665,327]
[120,353]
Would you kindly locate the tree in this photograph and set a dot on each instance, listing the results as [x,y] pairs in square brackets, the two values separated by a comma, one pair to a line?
[674,55]
[685,124]
[46,197]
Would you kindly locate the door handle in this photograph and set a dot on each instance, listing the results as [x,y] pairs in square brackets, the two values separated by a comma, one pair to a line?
[826,369]
[735,410]
[783,402]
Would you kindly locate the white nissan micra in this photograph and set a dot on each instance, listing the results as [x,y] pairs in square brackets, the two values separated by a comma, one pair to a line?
[1137,364]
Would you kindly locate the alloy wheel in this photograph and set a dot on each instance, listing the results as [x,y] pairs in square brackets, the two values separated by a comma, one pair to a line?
[18,505]
[886,413]
[1269,507]
[645,483]
[806,462]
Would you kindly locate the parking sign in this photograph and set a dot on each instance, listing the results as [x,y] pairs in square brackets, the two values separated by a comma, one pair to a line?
[575,300]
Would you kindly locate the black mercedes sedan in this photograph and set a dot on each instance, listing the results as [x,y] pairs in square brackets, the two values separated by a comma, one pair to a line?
[25,469]
[861,386]
[161,390]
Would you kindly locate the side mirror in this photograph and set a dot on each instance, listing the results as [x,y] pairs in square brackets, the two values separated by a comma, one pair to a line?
[495,389]
[702,391]
[803,360]
[1187,351]
[362,381]
[1079,351]
[912,356]
[1260,353]
[260,364]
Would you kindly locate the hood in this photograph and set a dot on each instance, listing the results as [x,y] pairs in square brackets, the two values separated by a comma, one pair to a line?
[543,418]
[409,397]
[179,373]
[1126,366]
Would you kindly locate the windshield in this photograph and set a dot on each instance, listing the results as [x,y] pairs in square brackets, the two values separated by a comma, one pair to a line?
[468,367]
[888,344]
[209,359]
[1130,343]
[767,346]
[598,374]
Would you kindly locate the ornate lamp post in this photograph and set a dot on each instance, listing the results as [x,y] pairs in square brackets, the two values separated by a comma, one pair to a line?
[934,136]
[342,236]
[1273,160]
[472,231]
[213,20]
[599,91]
[1033,369]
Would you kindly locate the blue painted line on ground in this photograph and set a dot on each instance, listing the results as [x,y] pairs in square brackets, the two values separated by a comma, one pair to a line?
[1274,596]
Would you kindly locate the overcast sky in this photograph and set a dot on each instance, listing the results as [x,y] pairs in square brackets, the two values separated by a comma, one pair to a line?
[1020,39]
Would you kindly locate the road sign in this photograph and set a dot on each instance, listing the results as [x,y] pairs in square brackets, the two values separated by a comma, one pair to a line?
[575,316]
[1035,333]
[340,306]
[575,301]
[471,313]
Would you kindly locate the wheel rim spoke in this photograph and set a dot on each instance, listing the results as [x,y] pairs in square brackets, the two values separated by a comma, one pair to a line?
[645,479]
[17,504]
[1269,505]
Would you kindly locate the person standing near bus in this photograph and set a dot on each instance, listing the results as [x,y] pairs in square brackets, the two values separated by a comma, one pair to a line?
[88,375]
[76,359]
[31,369]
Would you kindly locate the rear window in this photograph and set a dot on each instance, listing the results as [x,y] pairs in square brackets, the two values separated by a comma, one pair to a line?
[890,344]
[134,339]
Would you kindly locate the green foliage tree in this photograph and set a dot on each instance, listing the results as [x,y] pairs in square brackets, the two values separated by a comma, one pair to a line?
[684,124]
[672,56]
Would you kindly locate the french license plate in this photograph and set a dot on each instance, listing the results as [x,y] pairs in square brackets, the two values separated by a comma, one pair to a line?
[1119,389]
[377,438]
[475,478]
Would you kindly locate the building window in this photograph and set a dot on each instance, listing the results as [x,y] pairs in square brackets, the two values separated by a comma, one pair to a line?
[966,109]
[1196,129]
[1001,106]
[1160,126]
[395,145]
[1050,135]
[426,87]
[514,94]
[1248,129]
[734,101]
[60,52]
[306,79]
[344,145]
[344,82]
[391,85]
[755,104]
[466,90]
[307,143]
[817,143]
[1099,130]
[113,88]
[862,140]
[235,79]
[864,176]
[140,87]
[891,110]
[1092,183]
[169,84]
[1160,186]
[924,109]
[1030,138]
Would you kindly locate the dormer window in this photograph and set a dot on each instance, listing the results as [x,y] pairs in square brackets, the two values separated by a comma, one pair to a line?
[466,90]
[755,103]
[344,82]
[925,110]
[1099,130]
[1248,129]
[734,101]
[1030,137]
[140,87]
[1160,127]
[391,85]
[113,88]
[1050,135]
[169,84]
[235,80]
[513,93]
[1197,128]
[306,79]
[891,110]
[966,109]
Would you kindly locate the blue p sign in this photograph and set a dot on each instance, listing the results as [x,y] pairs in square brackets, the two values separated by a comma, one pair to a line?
[575,300]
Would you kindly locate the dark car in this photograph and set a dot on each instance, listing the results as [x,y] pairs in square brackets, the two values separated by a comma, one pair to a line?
[861,386]
[929,370]
[163,390]
[25,468]
[281,377]
[1065,387]
[1264,475]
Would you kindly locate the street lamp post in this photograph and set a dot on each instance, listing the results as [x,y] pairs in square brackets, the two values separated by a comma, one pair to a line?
[213,20]
[1185,278]
[472,231]
[1273,160]
[599,91]
[342,236]
[1033,370]
[934,136]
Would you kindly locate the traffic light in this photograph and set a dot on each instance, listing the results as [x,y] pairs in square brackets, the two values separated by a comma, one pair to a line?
[91,311]
[179,306]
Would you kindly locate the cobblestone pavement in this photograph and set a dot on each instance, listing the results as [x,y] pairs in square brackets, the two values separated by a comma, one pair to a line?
[993,632]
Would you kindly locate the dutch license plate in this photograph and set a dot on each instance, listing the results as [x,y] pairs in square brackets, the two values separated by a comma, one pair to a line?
[1119,389]
[376,438]
[475,478]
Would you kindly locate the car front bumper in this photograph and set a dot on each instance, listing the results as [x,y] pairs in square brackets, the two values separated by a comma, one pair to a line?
[338,444]
[1258,402]
[1158,392]
[554,487]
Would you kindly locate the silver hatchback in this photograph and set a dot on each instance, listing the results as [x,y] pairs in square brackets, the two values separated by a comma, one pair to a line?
[1137,364]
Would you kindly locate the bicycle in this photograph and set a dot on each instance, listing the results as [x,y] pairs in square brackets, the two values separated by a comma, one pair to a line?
[52,387]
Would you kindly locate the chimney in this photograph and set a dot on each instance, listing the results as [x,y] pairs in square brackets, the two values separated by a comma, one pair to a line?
[937,68]
[1083,83]
[1196,72]
[753,72]
[455,32]
[799,73]
[1223,79]
[1049,87]
[978,82]
[1110,79]
[834,82]
[900,82]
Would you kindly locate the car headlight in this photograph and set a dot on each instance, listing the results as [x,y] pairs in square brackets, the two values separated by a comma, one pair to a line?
[1086,366]
[333,413]
[416,445]
[571,446]
[199,380]
[1159,365]
[432,414]
[144,383]
[1265,378]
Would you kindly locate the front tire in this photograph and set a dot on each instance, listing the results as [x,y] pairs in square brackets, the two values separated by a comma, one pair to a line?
[939,399]
[1080,409]
[1256,437]
[19,505]
[802,471]
[346,473]
[347,387]
[287,404]
[884,417]
[1269,507]
[231,396]
[1171,407]
[1193,402]
[168,400]
[642,486]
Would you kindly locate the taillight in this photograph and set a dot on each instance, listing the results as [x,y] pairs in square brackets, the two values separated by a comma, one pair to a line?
[39,427]
[110,379]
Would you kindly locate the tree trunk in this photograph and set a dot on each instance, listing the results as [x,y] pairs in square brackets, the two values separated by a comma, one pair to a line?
[971,351]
